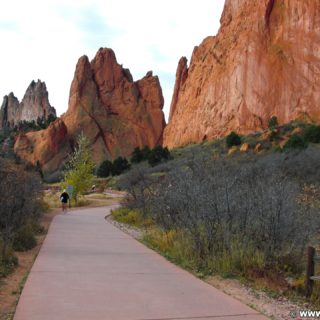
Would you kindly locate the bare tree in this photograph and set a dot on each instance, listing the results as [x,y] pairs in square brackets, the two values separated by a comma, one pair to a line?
[19,195]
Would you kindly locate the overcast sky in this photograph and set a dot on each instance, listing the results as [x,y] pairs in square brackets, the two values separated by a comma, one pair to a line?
[44,39]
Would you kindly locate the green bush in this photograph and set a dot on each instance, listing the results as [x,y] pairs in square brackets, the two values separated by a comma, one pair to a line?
[273,122]
[312,134]
[137,156]
[39,124]
[233,139]
[25,239]
[274,136]
[115,168]
[146,152]
[157,155]
[105,169]
[119,165]
[154,156]
[295,142]
[50,119]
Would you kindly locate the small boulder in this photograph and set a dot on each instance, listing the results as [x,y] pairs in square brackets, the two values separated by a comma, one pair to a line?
[296,131]
[257,148]
[232,150]
[244,147]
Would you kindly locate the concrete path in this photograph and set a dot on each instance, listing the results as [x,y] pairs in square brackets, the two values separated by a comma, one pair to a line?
[89,270]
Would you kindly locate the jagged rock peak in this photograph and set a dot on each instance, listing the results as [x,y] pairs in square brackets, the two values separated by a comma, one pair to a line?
[35,104]
[9,112]
[115,112]
[181,77]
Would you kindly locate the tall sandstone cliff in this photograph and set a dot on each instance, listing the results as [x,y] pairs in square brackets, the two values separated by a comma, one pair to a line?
[116,113]
[264,61]
[35,104]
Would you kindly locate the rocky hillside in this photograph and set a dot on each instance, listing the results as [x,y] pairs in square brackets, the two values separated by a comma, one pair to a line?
[116,113]
[264,62]
[35,104]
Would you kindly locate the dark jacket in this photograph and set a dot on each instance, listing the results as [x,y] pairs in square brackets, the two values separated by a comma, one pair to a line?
[64,197]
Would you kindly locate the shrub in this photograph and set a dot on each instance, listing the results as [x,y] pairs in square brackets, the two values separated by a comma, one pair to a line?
[145,152]
[51,118]
[274,136]
[105,169]
[128,216]
[163,241]
[233,139]
[8,264]
[287,128]
[173,244]
[312,134]
[157,155]
[25,238]
[39,124]
[295,142]
[125,215]
[19,197]
[234,216]
[273,122]
[137,155]
[119,166]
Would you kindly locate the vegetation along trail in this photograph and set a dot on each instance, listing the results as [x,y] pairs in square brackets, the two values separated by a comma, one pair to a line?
[89,269]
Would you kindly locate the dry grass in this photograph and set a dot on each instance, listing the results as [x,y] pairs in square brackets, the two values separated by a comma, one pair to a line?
[131,217]
[52,199]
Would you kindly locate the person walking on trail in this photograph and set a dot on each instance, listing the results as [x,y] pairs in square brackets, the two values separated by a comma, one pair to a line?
[64,197]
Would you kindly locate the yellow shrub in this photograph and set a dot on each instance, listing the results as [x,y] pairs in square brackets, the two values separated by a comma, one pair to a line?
[131,217]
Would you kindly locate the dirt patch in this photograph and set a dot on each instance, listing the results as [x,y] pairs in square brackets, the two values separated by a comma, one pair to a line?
[11,286]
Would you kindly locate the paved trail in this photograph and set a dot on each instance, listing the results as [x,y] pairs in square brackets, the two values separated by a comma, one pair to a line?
[89,270]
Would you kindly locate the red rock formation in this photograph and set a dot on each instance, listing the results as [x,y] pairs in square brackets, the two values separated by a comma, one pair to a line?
[114,112]
[181,77]
[35,104]
[264,61]
[48,148]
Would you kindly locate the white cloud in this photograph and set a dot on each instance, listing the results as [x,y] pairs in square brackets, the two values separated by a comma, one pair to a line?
[44,39]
